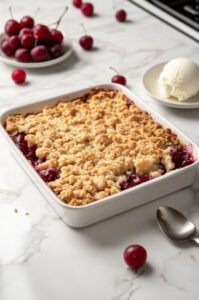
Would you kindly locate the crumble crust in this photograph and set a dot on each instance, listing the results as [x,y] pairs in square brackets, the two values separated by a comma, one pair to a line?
[95,141]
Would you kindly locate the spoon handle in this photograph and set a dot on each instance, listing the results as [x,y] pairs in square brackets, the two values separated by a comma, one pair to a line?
[196,240]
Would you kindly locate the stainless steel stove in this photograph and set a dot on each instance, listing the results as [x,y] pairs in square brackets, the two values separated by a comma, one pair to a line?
[181,14]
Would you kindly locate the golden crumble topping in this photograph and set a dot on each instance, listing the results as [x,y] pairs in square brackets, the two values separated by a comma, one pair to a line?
[95,141]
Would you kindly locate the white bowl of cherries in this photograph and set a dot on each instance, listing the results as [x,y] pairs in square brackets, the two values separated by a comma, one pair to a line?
[26,45]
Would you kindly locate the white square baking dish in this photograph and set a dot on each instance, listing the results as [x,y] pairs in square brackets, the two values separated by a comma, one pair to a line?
[80,216]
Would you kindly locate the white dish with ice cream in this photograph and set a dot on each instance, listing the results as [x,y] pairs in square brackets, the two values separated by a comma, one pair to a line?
[159,77]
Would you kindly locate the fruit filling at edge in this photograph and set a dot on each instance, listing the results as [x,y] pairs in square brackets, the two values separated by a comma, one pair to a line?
[180,157]
[48,174]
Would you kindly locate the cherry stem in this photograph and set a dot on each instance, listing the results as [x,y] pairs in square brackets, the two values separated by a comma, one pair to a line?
[84,29]
[10,11]
[36,41]
[37,11]
[114,70]
[57,23]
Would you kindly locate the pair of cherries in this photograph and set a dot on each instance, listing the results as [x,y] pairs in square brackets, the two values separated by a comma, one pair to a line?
[87,8]
[19,77]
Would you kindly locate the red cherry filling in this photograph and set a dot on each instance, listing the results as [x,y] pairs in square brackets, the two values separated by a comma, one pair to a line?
[48,174]
[29,152]
[133,180]
[37,162]
[19,140]
[182,157]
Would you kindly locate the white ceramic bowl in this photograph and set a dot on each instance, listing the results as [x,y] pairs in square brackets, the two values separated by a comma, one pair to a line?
[150,83]
[67,46]
[81,216]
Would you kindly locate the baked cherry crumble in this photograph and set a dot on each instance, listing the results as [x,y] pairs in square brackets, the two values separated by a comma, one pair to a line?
[96,146]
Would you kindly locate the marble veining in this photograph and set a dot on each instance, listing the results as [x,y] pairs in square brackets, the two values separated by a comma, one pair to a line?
[40,257]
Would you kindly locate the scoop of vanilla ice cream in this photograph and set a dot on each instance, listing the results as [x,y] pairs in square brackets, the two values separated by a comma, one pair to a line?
[179,79]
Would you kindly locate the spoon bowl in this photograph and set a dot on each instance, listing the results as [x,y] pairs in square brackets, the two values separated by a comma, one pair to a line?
[175,225]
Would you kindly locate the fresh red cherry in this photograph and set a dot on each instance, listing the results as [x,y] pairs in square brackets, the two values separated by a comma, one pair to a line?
[39,53]
[118,78]
[86,42]
[77,3]
[41,32]
[135,256]
[56,50]
[19,76]
[121,15]
[12,27]
[49,42]
[25,31]
[57,36]
[22,55]
[27,22]
[6,48]
[27,41]
[14,41]
[87,9]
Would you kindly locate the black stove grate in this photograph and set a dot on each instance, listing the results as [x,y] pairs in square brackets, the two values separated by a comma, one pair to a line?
[186,11]
[181,14]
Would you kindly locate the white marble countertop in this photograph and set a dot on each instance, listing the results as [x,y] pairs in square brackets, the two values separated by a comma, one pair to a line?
[40,257]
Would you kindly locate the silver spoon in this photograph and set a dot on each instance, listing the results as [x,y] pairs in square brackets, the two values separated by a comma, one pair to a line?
[176,225]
